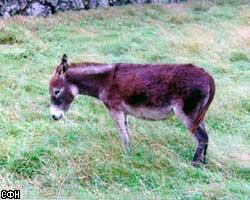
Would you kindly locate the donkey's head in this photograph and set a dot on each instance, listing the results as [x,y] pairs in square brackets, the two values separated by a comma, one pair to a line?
[62,92]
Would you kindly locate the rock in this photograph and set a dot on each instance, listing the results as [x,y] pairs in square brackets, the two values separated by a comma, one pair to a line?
[23,4]
[52,2]
[40,1]
[12,7]
[36,9]
[6,15]
[77,5]
[64,5]
[140,1]
[44,8]
[155,1]
[119,2]
[103,3]
[89,4]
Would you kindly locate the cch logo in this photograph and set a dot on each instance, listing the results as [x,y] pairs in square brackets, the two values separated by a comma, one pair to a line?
[10,194]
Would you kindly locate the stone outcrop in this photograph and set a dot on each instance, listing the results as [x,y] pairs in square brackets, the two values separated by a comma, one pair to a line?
[42,8]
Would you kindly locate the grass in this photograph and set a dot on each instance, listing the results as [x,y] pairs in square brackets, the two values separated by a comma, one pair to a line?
[81,156]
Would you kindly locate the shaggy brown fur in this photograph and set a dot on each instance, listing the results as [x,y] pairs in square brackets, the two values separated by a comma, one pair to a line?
[149,91]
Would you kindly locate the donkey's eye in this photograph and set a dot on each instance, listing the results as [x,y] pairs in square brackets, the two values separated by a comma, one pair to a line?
[56,92]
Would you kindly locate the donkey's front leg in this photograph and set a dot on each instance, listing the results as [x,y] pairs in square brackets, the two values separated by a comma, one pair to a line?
[121,122]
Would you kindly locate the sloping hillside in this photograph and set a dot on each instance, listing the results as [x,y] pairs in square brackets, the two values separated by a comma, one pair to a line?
[81,157]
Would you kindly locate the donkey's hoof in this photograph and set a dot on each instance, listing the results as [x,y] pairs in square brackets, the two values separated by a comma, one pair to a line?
[127,151]
[197,163]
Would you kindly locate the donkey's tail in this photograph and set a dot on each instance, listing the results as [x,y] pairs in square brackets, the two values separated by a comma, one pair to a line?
[203,109]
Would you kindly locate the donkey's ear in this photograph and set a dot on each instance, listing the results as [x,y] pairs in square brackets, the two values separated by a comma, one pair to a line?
[64,63]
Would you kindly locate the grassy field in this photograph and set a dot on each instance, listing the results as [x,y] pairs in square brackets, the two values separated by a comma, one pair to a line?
[81,157]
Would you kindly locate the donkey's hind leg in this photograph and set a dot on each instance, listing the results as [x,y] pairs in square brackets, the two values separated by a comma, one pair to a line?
[199,133]
[202,144]
[203,127]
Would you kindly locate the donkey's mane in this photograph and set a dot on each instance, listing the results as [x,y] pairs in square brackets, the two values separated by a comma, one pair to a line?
[90,68]
[85,64]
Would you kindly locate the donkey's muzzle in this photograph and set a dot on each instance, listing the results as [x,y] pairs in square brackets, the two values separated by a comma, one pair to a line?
[55,112]
[56,117]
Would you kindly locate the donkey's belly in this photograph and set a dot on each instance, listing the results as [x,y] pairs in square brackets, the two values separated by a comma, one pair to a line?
[147,112]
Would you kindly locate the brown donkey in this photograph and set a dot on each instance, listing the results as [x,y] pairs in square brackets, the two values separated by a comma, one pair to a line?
[148,91]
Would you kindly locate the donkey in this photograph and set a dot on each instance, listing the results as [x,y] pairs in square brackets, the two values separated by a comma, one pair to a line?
[148,91]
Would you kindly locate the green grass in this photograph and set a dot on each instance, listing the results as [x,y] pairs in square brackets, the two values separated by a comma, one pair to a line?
[81,157]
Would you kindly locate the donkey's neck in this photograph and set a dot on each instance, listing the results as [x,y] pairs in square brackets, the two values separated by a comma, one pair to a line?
[93,80]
